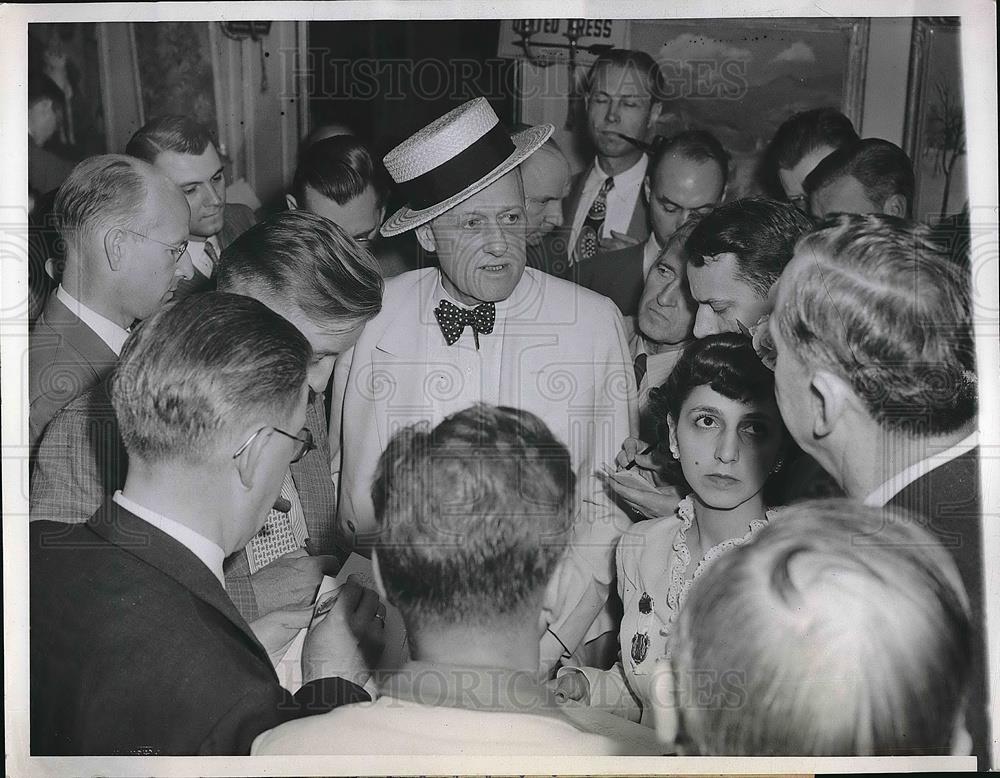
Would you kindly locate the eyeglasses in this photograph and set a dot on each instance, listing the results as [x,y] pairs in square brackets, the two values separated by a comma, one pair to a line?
[304,438]
[175,251]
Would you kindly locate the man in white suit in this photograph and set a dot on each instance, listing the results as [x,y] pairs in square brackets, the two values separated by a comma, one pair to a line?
[482,328]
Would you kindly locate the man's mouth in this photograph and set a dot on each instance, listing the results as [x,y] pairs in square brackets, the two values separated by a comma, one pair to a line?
[493,268]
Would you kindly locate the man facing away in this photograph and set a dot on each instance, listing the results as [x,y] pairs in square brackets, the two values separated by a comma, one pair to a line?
[136,648]
[125,227]
[875,378]
[482,328]
[472,513]
[183,150]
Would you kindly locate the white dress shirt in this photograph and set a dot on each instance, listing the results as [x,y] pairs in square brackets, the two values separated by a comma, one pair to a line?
[621,199]
[203,548]
[881,496]
[113,335]
[200,259]
[650,252]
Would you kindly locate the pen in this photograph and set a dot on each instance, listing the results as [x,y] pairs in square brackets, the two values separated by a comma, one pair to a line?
[648,450]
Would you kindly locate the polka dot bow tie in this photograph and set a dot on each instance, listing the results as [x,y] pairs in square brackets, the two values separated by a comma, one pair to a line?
[453,320]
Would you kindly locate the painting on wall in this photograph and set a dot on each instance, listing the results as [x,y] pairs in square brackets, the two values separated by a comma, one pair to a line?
[934,136]
[741,78]
[175,70]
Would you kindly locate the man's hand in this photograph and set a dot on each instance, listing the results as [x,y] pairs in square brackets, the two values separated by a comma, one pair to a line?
[278,629]
[572,685]
[291,581]
[648,500]
[617,240]
[348,640]
[631,452]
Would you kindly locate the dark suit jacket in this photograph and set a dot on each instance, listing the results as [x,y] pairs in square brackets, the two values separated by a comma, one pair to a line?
[638,227]
[949,499]
[236,219]
[618,275]
[65,359]
[136,649]
[81,461]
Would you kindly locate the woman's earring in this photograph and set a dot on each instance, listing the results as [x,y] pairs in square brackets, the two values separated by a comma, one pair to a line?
[778,465]
[675,452]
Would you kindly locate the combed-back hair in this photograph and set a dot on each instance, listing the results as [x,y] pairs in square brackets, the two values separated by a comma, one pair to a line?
[696,145]
[838,630]
[807,131]
[761,233]
[882,168]
[639,61]
[474,515]
[101,192]
[173,132]
[199,370]
[307,263]
[339,168]
[881,305]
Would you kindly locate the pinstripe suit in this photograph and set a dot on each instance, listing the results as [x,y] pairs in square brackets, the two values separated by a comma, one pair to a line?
[81,462]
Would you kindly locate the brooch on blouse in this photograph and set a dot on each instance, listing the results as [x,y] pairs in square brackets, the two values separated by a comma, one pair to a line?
[640,645]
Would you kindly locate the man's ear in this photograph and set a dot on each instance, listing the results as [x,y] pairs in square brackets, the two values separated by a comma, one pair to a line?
[377,576]
[291,202]
[663,698]
[895,205]
[249,460]
[831,397]
[114,247]
[426,238]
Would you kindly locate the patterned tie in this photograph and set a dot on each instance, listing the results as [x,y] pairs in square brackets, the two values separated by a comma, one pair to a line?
[590,234]
[453,320]
[641,361]
[212,254]
[283,531]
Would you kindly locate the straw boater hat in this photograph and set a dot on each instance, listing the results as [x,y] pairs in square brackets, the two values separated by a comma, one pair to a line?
[451,159]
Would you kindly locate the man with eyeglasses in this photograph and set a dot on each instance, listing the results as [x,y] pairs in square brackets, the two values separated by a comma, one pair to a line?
[125,227]
[136,649]
[306,269]
[183,150]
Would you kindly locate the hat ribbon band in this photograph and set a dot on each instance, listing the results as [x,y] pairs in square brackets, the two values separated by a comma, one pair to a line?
[465,168]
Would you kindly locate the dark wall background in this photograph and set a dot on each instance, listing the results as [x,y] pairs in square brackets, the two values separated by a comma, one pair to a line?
[387,79]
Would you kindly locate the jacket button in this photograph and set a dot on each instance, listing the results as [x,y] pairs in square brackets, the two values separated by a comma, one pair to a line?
[350,526]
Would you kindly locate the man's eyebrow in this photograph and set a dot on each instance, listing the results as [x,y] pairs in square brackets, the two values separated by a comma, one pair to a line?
[195,183]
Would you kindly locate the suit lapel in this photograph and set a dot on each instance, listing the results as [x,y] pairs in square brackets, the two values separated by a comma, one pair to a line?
[312,479]
[154,547]
[77,335]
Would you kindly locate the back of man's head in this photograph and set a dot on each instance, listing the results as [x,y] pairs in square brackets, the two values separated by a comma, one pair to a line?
[807,131]
[838,630]
[761,233]
[180,134]
[876,301]
[198,372]
[303,262]
[102,192]
[473,517]
[882,169]
[696,145]
[339,168]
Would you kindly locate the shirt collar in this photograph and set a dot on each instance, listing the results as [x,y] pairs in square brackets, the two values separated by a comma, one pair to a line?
[196,250]
[881,496]
[649,254]
[627,178]
[439,293]
[203,548]
[113,335]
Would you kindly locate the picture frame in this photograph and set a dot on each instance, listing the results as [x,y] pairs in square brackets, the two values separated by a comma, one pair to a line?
[934,132]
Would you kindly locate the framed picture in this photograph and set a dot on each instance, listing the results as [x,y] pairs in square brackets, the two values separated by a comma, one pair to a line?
[741,78]
[934,134]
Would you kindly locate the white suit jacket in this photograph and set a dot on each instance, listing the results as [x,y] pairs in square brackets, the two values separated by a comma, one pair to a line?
[563,356]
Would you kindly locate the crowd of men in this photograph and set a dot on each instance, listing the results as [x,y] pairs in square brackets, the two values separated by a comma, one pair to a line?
[223,410]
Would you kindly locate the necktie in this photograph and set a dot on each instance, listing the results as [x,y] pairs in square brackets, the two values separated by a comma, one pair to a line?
[283,531]
[212,255]
[590,234]
[453,320]
[640,368]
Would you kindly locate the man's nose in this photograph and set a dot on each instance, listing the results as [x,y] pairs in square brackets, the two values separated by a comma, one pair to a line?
[704,323]
[612,115]
[553,213]
[496,241]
